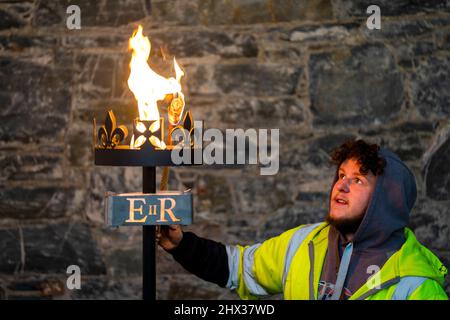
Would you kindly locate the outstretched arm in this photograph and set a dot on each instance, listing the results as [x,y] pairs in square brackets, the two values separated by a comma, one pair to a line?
[205,258]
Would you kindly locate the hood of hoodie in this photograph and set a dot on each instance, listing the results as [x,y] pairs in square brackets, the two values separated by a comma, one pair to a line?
[388,211]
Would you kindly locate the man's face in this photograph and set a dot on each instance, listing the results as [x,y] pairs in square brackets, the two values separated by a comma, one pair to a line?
[350,195]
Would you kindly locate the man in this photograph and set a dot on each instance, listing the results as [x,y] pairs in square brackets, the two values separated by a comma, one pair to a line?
[362,251]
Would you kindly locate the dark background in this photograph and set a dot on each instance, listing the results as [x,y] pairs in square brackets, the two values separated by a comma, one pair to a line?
[310,68]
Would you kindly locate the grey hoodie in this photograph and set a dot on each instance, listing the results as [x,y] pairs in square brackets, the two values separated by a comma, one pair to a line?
[380,233]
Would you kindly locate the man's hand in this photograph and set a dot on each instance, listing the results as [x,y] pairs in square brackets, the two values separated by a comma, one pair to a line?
[169,237]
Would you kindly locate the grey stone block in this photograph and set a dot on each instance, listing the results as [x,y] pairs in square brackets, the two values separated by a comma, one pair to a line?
[438,173]
[398,29]
[8,20]
[35,106]
[124,262]
[357,8]
[256,79]
[54,247]
[355,86]
[17,167]
[204,43]
[93,13]
[102,288]
[19,43]
[323,32]
[10,252]
[209,12]
[31,202]
[293,216]
[430,93]
[262,113]
[430,222]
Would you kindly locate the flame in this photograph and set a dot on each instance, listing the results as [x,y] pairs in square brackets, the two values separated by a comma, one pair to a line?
[147,86]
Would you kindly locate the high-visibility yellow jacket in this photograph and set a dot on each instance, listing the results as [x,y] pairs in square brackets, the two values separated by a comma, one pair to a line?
[291,263]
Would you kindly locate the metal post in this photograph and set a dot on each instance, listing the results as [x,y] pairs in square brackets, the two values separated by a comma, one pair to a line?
[148,241]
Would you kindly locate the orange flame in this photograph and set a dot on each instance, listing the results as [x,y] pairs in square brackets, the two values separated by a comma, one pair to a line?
[147,86]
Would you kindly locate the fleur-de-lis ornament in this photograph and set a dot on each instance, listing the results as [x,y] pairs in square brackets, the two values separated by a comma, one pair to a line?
[187,127]
[109,134]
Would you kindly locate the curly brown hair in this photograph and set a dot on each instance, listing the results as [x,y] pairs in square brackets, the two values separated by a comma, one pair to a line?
[366,155]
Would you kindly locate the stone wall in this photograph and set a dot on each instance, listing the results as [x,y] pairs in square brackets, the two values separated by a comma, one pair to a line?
[308,67]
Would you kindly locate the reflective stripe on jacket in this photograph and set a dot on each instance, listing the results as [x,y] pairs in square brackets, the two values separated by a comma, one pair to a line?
[291,263]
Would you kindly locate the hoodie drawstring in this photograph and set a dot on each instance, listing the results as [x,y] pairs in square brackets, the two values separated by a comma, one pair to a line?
[342,273]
